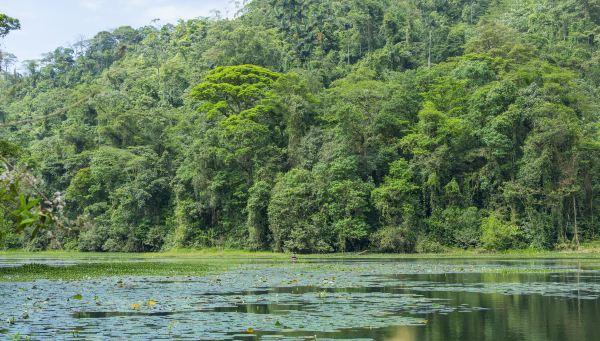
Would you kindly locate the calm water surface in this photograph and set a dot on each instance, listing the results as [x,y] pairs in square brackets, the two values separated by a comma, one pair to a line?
[350,299]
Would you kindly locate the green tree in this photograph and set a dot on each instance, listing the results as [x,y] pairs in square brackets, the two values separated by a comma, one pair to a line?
[8,24]
[294,214]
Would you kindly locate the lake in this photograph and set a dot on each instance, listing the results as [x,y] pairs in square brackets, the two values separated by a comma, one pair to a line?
[349,299]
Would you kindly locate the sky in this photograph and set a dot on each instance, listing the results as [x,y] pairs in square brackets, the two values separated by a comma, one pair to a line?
[48,24]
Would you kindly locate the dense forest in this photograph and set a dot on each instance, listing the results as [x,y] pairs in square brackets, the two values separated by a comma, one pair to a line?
[311,126]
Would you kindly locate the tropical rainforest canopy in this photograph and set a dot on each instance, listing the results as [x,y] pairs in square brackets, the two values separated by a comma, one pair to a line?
[311,126]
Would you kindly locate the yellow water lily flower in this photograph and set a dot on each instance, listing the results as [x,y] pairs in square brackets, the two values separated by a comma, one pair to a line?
[136,306]
[151,303]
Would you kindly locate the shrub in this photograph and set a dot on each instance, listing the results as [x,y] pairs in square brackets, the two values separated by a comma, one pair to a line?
[393,239]
[92,238]
[456,227]
[293,214]
[428,245]
[498,234]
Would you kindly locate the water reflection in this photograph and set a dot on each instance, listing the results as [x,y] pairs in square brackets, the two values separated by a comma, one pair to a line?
[358,300]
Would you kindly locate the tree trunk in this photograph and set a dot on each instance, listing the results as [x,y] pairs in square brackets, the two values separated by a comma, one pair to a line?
[576,229]
[429,49]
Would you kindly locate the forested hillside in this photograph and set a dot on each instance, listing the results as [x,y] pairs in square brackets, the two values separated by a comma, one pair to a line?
[316,126]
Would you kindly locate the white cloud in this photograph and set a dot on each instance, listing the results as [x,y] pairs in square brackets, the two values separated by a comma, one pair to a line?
[143,3]
[48,24]
[171,13]
[92,4]
[168,12]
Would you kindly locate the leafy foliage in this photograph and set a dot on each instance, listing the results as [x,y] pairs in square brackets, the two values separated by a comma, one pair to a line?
[318,126]
[8,24]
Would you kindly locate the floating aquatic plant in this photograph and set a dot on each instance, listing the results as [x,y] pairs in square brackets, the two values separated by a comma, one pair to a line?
[292,303]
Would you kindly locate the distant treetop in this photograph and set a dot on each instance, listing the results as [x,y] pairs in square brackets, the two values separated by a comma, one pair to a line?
[8,24]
